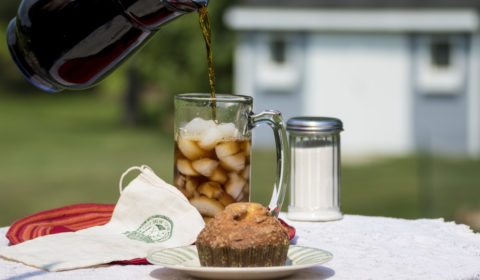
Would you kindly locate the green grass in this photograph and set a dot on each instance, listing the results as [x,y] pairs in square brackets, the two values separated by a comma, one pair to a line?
[385,187]
[57,150]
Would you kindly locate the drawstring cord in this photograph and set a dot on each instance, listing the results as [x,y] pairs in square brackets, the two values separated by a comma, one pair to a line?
[141,169]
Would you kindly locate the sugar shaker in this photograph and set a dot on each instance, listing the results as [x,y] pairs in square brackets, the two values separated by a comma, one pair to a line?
[315,168]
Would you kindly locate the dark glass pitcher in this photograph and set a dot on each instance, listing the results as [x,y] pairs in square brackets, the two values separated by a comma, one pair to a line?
[73,44]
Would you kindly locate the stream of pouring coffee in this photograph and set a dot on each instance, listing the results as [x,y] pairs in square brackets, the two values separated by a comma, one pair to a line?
[206,31]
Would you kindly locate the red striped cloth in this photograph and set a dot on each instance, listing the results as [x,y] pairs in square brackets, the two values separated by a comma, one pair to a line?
[72,218]
[63,219]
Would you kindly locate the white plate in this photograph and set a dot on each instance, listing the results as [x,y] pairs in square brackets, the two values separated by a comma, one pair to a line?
[186,259]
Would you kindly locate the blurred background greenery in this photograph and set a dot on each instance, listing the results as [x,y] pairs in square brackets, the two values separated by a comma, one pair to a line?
[60,149]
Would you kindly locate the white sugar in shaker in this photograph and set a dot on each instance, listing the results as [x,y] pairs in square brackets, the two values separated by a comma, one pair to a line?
[315,168]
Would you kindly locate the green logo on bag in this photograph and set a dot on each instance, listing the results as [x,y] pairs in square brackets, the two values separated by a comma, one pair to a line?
[155,229]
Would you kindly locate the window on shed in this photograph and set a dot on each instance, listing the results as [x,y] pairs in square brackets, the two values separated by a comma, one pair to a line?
[440,51]
[278,48]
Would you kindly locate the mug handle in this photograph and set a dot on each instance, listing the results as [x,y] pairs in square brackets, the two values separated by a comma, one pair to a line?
[274,119]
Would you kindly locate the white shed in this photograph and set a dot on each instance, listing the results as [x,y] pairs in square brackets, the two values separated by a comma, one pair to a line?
[403,76]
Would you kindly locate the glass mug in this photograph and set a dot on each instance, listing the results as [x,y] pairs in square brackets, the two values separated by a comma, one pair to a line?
[212,158]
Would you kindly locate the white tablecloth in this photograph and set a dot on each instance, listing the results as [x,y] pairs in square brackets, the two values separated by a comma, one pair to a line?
[363,248]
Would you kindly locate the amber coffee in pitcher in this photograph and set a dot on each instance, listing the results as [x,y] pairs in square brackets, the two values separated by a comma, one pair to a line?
[73,44]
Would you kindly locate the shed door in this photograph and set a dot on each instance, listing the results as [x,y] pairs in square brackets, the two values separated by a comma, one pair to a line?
[439,88]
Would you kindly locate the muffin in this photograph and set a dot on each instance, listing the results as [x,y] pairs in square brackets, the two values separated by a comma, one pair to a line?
[243,235]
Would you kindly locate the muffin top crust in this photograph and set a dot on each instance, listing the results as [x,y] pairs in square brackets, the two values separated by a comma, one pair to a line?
[243,225]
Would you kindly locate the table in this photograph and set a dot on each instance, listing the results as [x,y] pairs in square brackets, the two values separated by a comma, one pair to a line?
[363,248]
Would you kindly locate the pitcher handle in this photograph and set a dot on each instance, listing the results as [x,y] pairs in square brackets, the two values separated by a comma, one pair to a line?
[274,119]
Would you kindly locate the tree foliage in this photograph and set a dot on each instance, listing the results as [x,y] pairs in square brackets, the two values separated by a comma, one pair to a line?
[176,57]
[173,61]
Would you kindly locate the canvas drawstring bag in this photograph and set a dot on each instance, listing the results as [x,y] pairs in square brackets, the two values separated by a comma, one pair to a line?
[150,214]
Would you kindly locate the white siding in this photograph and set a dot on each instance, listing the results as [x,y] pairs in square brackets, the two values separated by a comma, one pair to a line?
[244,61]
[363,79]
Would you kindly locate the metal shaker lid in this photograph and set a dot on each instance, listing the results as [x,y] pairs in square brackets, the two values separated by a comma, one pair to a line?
[314,125]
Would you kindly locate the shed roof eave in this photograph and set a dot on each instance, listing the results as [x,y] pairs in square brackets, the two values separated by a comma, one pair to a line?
[362,3]
[388,20]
